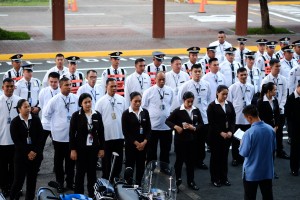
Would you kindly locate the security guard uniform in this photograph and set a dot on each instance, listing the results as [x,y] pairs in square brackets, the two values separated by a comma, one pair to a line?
[186,67]
[205,60]
[258,54]
[153,69]
[220,49]
[263,61]
[54,69]
[240,54]
[214,81]
[294,79]
[287,65]
[296,56]
[254,75]
[283,43]
[15,74]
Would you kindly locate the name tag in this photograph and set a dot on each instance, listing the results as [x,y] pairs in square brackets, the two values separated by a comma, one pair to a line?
[29,140]
[141,130]
[162,107]
[68,118]
[8,120]
[113,115]
[89,140]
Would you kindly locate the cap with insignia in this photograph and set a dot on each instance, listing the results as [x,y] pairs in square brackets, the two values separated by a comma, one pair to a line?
[211,48]
[285,40]
[158,55]
[296,43]
[250,54]
[288,48]
[193,49]
[241,40]
[230,50]
[261,41]
[271,44]
[16,58]
[116,54]
[73,59]
[28,67]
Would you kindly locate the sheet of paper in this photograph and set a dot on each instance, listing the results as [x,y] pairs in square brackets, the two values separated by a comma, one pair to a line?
[239,134]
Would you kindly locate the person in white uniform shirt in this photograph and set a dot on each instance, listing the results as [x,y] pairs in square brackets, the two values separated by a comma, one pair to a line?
[254,75]
[29,88]
[156,66]
[59,111]
[263,61]
[240,94]
[202,92]
[281,95]
[221,46]
[214,77]
[283,42]
[297,51]
[96,91]
[8,103]
[294,79]
[175,78]
[111,106]
[16,72]
[115,71]
[158,100]
[210,53]
[59,68]
[229,67]
[261,46]
[138,81]
[193,57]
[287,62]
[45,95]
[241,51]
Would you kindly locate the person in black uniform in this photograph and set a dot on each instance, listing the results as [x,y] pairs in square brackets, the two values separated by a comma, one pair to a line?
[26,132]
[221,119]
[186,120]
[292,108]
[136,128]
[86,143]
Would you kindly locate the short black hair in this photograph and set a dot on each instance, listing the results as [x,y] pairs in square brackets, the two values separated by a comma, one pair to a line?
[212,60]
[89,71]
[250,110]
[59,55]
[174,59]
[221,32]
[109,80]
[274,61]
[134,94]
[63,79]
[196,66]
[7,80]
[298,84]
[82,97]
[241,69]
[19,104]
[188,95]
[139,60]
[53,75]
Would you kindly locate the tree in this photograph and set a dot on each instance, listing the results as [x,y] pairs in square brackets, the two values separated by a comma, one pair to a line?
[265,18]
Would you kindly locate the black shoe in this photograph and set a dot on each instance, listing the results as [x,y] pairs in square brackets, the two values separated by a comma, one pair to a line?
[276,175]
[178,182]
[202,166]
[216,184]
[70,186]
[227,183]
[295,173]
[283,155]
[192,185]
[234,163]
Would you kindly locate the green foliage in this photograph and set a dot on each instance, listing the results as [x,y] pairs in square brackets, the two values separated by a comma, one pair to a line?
[9,35]
[24,2]
[272,30]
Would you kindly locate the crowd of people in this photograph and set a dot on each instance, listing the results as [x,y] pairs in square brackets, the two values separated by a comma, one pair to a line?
[203,102]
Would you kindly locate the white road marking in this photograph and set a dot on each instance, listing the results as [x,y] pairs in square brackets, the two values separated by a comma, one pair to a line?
[84,14]
[3,15]
[286,17]
[215,18]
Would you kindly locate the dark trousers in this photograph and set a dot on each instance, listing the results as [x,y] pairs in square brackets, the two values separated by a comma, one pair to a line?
[219,159]
[86,163]
[136,158]
[110,147]
[6,166]
[165,141]
[25,168]
[45,135]
[279,134]
[62,153]
[184,154]
[295,154]
[250,188]
[199,145]
[236,144]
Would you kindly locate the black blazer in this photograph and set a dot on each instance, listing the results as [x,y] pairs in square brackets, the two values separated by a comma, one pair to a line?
[178,116]
[267,114]
[79,131]
[217,119]
[19,136]
[292,112]
[131,126]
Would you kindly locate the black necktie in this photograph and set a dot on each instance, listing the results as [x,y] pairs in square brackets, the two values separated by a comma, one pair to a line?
[232,70]
[251,76]
[242,59]
[29,92]
[116,72]
[291,64]
[73,78]
[18,74]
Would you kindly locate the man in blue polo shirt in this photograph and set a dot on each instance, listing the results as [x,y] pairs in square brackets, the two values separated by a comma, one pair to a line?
[257,146]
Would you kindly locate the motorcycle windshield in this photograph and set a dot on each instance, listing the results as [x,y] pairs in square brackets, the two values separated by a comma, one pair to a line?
[159,181]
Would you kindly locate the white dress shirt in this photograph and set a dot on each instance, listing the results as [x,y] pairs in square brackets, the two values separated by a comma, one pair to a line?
[262,62]
[237,56]
[111,71]
[12,73]
[96,92]
[225,69]
[255,79]
[54,69]
[258,55]
[220,49]
[286,67]
[59,111]
[296,57]
[214,81]
[22,91]
[281,84]
[294,78]
[136,83]
[152,68]
[111,109]
[205,64]
[78,76]
[158,102]
[240,95]
[45,95]
[8,113]
[186,67]
[202,93]
[279,54]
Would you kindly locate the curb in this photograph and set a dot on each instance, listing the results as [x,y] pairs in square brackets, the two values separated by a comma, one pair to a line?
[234,2]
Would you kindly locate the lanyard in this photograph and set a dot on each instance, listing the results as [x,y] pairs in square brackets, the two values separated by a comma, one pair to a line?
[112,103]
[289,63]
[9,107]
[161,95]
[67,105]
[141,82]
[94,96]
[176,82]
[275,81]
[243,92]
[198,89]
[27,127]
[216,78]
[52,93]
